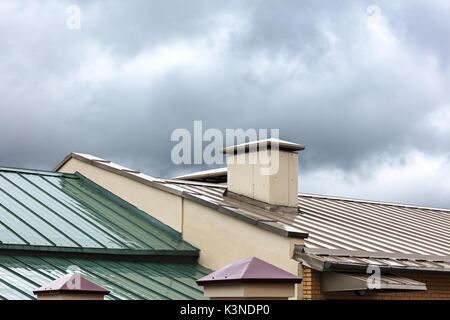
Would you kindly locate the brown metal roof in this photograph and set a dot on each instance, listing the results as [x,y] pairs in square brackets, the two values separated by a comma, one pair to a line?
[335,224]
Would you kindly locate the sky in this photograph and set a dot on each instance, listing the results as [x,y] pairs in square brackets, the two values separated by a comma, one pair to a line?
[364,85]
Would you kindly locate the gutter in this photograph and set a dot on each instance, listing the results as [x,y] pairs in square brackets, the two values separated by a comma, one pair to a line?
[320,264]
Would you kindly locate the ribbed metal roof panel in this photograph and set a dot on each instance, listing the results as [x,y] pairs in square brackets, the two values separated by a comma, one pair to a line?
[53,210]
[338,223]
[353,225]
[20,275]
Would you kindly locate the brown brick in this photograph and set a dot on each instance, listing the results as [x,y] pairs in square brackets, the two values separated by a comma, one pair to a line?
[438,287]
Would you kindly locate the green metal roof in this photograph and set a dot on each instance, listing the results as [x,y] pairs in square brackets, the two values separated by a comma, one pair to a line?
[20,275]
[49,211]
[52,221]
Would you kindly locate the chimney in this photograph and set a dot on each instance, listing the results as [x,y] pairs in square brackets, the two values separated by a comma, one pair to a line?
[265,173]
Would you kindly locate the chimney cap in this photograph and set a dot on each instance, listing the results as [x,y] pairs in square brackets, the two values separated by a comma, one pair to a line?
[65,284]
[282,145]
[247,270]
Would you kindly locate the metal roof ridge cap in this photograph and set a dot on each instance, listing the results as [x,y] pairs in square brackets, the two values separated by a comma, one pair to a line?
[78,156]
[201,174]
[372,202]
[108,165]
[135,175]
[36,172]
[195,183]
[62,162]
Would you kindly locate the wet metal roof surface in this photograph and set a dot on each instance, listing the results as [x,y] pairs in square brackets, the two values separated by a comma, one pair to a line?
[52,221]
[53,210]
[220,172]
[126,280]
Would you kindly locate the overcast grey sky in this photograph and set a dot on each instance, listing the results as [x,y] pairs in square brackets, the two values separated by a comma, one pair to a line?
[366,88]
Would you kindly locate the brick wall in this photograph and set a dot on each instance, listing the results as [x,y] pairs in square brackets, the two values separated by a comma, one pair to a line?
[438,288]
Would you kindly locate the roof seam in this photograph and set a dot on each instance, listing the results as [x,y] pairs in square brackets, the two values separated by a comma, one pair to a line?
[89,222]
[17,289]
[126,206]
[38,172]
[109,220]
[32,211]
[129,221]
[23,221]
[57,214]
[14,232]
[155,280]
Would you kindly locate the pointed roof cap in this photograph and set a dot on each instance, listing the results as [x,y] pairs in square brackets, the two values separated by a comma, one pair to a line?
[249,269]
[71,283]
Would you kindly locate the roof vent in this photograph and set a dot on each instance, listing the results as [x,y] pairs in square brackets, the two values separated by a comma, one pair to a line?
[71,286]
[249,278]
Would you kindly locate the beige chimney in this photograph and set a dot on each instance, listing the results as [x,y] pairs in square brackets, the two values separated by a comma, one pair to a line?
[265,171]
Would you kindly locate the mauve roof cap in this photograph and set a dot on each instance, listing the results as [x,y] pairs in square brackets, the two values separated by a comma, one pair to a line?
[249,269]
[73,283]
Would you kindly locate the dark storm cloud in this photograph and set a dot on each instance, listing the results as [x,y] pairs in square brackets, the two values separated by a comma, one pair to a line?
[360,91]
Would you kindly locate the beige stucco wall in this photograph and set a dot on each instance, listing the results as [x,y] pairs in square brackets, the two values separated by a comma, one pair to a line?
[224,239]
[161,205]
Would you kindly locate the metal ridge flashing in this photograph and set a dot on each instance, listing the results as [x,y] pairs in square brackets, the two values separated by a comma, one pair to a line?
[79,156]
[402,205]
[37,172]
[126,172]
